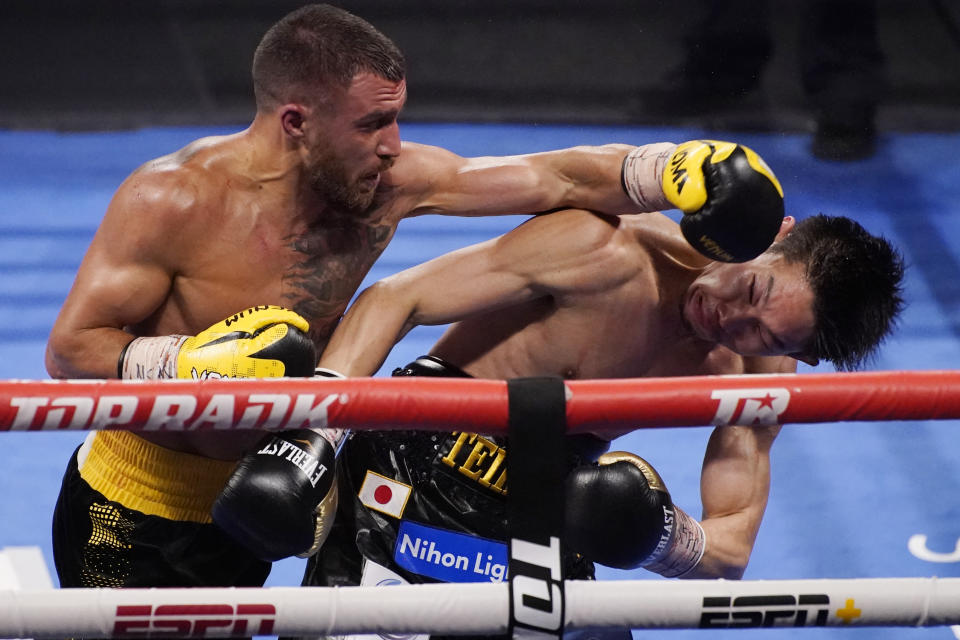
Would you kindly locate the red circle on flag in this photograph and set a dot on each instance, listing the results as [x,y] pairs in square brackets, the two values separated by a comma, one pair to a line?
[382,494]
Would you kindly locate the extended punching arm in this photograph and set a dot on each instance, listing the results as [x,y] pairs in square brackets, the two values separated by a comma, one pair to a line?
[731,200]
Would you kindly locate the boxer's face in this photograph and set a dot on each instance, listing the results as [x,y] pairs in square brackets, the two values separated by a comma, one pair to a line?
[356,140]
[760,307]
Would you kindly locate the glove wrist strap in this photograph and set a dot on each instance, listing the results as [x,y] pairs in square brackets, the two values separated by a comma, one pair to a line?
[333,436]
[323,520]
[151,358]
[683,552]
[642,173]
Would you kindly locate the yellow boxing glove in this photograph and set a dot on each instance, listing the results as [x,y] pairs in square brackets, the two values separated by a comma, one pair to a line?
[732,202]
[265,341]
[260,342]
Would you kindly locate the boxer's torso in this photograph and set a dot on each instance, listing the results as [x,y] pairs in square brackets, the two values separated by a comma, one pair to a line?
[250,243]
[629,329]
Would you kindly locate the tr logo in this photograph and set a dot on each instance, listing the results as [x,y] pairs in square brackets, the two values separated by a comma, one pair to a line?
[750,406]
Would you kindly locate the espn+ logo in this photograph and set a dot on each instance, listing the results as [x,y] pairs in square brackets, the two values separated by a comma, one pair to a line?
[803,610]
[194,620]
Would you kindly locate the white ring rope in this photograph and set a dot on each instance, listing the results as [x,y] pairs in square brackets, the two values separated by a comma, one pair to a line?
[477,608]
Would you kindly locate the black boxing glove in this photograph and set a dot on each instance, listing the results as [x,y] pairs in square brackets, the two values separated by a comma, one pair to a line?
[281,499]
[732,202]
[620,514]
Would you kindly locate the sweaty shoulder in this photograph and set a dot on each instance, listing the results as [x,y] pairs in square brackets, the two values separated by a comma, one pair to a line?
[597,248]
[577,226]
[415,157]
[431,180]
[661,235]
[417,171]
[170,189]
[166,205]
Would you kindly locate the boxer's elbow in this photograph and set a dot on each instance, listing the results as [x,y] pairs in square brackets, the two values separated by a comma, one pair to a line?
[734,570]
[55,357]
[69,355]
[715,565]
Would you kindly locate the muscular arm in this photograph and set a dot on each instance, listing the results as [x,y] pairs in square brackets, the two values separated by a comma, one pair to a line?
[123,278]
[734,487]
[438,181]
[505,271]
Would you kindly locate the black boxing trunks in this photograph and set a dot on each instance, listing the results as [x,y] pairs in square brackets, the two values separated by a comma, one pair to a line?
[132,514]
[425,506]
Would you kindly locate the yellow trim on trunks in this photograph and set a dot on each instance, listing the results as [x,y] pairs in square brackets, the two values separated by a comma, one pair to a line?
[154,480]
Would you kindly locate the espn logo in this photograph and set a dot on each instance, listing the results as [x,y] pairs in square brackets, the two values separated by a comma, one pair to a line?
[194,620]
[805,610]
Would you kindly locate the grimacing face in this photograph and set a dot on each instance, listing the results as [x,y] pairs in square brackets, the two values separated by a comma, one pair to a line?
[357,140]
[763,307]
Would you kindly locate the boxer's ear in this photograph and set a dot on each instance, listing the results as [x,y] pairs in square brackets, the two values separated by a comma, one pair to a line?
[292,117]
[789,222]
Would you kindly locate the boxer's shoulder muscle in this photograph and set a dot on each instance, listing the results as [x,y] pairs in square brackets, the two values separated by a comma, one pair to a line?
[660,235]
[416,173]
[167,195]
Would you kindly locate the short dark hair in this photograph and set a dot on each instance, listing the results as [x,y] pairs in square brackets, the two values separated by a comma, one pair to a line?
[856,279]
[318,48]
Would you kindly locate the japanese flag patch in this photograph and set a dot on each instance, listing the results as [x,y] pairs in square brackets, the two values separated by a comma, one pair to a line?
[384,495]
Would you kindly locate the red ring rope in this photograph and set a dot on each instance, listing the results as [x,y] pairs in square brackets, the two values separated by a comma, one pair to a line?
[473,405]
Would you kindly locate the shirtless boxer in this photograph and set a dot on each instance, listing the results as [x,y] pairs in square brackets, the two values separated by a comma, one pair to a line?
[199,249]
[611,297]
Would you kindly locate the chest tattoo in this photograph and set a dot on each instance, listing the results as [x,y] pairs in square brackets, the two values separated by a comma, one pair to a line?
[330,264]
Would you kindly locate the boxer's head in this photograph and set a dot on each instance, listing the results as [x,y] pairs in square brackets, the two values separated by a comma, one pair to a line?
[761,307]
[826,289]
[337,86]
[856,278]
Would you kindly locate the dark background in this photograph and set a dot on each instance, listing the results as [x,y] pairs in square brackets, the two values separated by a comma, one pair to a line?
[109,64]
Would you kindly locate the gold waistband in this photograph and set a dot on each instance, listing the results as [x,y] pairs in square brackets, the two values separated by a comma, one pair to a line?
[151,479]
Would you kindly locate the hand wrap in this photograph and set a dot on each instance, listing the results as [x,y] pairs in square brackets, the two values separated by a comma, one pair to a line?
[732,202]
[259,342]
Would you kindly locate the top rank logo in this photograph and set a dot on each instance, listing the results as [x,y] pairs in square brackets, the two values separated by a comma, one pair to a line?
[750,406]
[175,412]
